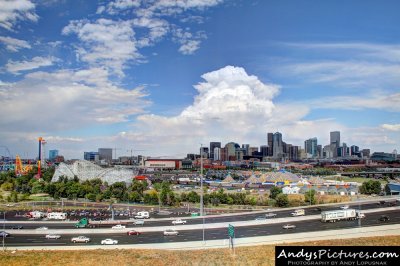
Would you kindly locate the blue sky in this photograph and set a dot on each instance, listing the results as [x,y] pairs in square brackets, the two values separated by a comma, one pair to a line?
[161,77]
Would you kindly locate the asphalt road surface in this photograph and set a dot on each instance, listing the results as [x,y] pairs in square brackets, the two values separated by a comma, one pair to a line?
[372,219]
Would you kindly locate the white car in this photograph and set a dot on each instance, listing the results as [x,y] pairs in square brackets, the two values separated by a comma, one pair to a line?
[42,228]
[345,207]
[118,226]
[80,239]
[179,221]
[170,232]
[53,236]
[109,241]
[270,215]
[289,226]
[138,222]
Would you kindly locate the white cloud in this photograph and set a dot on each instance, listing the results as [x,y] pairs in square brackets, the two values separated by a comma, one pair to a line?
[17,66]
[230,105]
[388,102]
[391,127]
[67,100]
[189,42]
[14,45]
[106,43]
[12,11]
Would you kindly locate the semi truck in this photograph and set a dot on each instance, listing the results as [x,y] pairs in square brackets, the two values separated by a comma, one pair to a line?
[337,215]
[84,222]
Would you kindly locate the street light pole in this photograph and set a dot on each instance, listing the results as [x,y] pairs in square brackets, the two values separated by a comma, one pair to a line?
[201,187]
[4,228]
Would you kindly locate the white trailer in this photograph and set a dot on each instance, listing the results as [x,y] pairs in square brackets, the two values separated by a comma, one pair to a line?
[337,215]
[57,215]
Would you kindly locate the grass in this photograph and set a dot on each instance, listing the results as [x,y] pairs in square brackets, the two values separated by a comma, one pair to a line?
[255,255]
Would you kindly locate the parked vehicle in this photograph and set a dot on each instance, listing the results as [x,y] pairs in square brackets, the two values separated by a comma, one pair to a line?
[18,227]
[51,236]
[80,239]
[337,215]
[57,215]
[109,241]
[35,215]
[84,222]
[298,212]
[384,218]
[138,222]
[4,234]
[118,226]
[142,215]
[133,233]
[289,226]
[178,221]
[170,232]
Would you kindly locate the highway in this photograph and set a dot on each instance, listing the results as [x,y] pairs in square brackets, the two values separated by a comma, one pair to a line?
[193,221]
[372,219]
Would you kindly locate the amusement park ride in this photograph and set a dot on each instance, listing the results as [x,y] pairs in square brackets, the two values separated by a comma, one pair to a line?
[21,169]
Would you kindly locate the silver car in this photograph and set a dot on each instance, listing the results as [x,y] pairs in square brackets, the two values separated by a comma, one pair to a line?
[289,226]
[51,236]
[170,232]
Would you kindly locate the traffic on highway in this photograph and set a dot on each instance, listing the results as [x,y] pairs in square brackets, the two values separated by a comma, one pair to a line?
[39,233]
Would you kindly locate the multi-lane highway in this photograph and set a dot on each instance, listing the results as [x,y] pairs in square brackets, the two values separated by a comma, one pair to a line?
[273,226]
[208,220]
[372,219]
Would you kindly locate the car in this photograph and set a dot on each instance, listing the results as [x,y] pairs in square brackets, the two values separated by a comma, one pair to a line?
[382,202]
[80,239]
[42,228]
[289,226]
[344,207]
[133,233]
[384,218]
[109,241]
[170,232]
[361,215]
[138,222]
[18,227]
[52,236]
[270,215]
[260,218]
[392,203]
[4,234]
[179,221]
[118,226]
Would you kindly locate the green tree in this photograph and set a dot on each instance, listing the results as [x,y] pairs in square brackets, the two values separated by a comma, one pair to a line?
[274,191]
[7,186]
[282,200]
[91,196]
[309,196]
[370,187]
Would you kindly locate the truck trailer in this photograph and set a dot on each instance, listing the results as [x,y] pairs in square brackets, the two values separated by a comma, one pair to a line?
[337,215]
[84,222]
[57,215]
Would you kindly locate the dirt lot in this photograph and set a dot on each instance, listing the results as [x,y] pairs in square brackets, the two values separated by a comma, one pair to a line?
[256,255]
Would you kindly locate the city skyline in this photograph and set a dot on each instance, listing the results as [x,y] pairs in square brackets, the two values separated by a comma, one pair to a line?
[160,77]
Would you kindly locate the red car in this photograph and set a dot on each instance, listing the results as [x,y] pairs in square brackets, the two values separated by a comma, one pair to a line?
[133,233]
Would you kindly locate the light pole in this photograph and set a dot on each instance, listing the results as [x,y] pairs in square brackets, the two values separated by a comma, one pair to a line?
[4,228]
[201,187]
